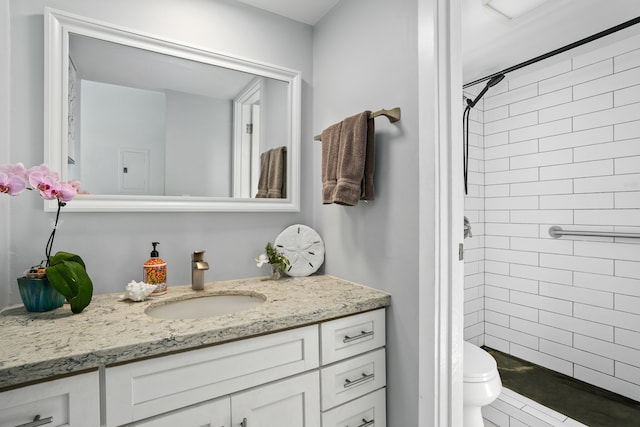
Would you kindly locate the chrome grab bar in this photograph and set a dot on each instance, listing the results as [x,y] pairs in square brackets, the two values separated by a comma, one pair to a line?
[557,231]
[362,335]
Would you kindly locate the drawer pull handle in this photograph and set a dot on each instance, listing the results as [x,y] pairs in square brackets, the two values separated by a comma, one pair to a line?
[363,334]
[363,378]
[244,423]
[366,423]
[37,422]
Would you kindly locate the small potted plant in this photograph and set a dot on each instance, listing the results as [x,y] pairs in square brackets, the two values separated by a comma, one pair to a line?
[279,262]
[62,276]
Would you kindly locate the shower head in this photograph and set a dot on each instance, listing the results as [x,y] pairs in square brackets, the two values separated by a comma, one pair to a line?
[492,82]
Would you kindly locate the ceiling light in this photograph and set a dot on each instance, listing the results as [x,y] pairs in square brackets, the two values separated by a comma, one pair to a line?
[512,9]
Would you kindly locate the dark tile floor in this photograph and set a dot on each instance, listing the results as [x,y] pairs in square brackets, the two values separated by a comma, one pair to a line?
[583,402]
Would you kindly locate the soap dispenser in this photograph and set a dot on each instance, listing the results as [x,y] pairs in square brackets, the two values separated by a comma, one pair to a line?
[155,272]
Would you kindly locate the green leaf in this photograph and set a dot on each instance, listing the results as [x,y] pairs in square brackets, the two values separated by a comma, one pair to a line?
[68,275]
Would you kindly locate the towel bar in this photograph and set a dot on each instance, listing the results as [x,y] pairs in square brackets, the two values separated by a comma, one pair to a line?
[557,231]
[393,115]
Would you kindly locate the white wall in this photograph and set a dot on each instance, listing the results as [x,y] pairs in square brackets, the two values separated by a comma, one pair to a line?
[115,246]
[366,58]
[5,96]
[562,147]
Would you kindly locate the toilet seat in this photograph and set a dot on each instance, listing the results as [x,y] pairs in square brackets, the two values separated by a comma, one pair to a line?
[478,366]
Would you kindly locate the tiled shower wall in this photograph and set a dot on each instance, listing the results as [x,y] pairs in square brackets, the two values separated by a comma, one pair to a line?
[559,146]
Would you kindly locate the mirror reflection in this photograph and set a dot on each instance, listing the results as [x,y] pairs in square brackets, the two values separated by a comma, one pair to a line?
[146,123]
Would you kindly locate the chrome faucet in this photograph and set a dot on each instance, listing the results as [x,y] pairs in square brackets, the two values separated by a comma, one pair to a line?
[198,267]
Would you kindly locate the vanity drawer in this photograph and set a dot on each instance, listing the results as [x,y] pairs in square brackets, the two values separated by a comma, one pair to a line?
[70,402]
[142,389]
[349,336]
[367,411]
[352,378]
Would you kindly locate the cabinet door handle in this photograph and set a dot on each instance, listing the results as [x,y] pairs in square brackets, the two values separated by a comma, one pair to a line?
[244,423]
[37,422]
[363,378]
[366,423]
[362,335]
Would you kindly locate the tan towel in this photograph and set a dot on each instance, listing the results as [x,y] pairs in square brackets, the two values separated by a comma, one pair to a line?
[272,183]
[353,162]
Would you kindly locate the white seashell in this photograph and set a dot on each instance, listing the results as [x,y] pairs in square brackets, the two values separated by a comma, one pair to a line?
[137,291]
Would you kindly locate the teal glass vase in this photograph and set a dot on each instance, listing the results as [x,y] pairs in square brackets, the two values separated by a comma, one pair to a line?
[38,295]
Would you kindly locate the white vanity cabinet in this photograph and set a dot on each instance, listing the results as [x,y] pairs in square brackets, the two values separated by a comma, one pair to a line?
[70,402]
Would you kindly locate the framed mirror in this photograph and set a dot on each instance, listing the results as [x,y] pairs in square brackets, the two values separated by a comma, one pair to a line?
[147,124]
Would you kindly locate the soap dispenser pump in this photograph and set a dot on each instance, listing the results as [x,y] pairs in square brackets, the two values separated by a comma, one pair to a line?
[155,272]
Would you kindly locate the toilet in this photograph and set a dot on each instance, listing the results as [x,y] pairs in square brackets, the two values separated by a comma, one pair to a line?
[481,383]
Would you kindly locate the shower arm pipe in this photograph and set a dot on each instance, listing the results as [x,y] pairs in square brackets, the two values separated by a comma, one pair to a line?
[570,46]
[557,231]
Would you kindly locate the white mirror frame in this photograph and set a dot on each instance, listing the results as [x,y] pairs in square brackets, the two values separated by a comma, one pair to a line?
[59,24]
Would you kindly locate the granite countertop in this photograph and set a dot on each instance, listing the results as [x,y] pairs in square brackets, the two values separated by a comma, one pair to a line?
[36,346]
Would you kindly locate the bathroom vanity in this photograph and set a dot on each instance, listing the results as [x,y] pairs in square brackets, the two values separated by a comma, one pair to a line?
[312,354]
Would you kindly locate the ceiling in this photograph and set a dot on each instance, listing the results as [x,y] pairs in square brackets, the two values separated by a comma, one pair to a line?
[492,42]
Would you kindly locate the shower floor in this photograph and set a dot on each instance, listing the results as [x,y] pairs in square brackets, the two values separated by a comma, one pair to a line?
[576,399]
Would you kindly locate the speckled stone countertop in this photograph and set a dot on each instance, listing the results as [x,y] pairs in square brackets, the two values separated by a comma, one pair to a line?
[35,346]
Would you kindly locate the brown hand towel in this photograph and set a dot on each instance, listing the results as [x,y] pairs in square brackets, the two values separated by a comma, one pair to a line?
[352,159]
[277,181]
[264,175]
[370,162]
[330,149]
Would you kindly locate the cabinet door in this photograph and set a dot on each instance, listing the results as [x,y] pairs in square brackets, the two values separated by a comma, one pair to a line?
[69,402]
[294,402]
[211,414]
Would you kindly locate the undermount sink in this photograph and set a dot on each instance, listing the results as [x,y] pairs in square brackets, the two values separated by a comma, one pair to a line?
[205,306]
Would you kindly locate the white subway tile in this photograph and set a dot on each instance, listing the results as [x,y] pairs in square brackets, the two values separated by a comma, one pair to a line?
[495,165]
[627,60]
[473,267]
[621,285]
[494,417]
[627,199]
[510,150]
[607,382]
[542,359]
[625,96]
[546,158]
[585,264]
[576,294]
[543,418]
[512,122]
[627,165]
[496,343]
[500,190]
[552,216]
[472,305]
[627,338]
[541,273]
[584,358]
[494,100]
[580,326]
[542,130]
[628,252]
[513,203]
[542,303]
[541,102]
[576,108]
[542,187]
[628,373]
[627,217]
[610,317]
[627,304]
[577,76]
[607,51]
[542,331]
[496,139]
[627,130]
[623,148]
[510,176]
[541,74]
[607,84]
[628,269]
[499,242]
[494,114]
[496,318]
[511,309]
[496,267]
[577,170]
[511,335]
[517,230]
[514,283]
[497,216]
[511,256]
[496,293]
[577,201]
[625,113]
[577,138]
[553,246]
[472,332]
[471,294]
